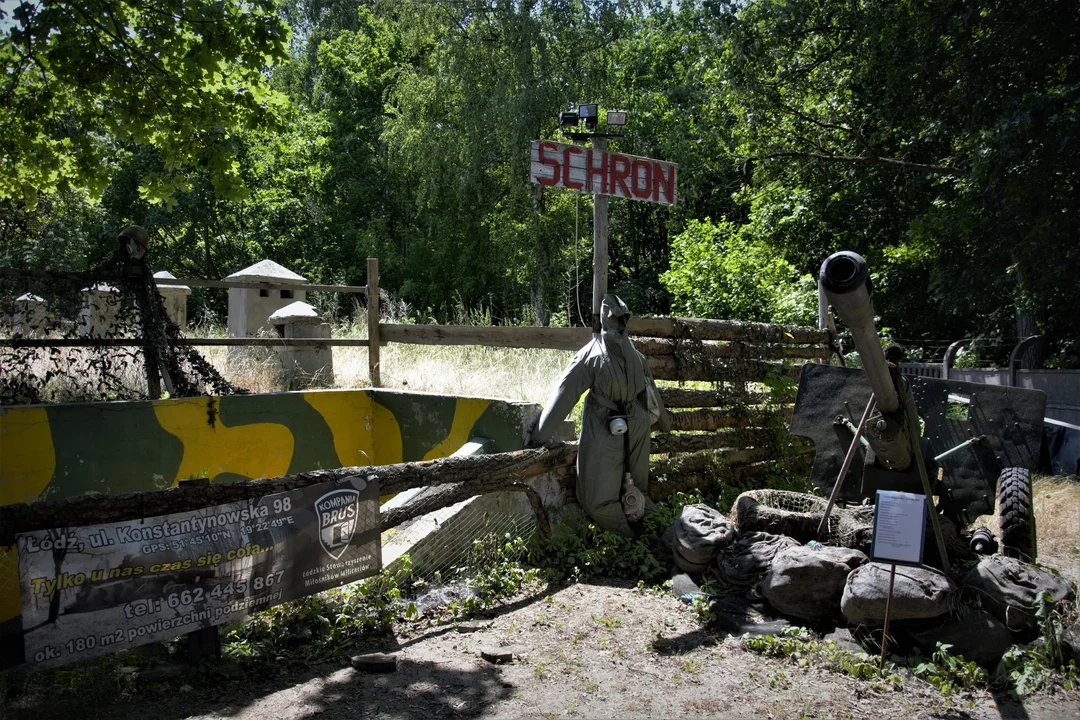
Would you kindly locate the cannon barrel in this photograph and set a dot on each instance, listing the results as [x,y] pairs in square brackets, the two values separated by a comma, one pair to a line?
[846,281]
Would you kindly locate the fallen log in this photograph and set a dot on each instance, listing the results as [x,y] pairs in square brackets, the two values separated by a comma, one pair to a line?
[734,349]
[478,470]
[733,438]
[700,329]
[677,397]
[669,367]
[710,419]
[724,457]
[447,495]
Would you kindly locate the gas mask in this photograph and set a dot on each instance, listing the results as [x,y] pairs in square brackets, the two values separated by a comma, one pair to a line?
[633,502]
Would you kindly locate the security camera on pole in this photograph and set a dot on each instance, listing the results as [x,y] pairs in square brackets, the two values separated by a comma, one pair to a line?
[575,168]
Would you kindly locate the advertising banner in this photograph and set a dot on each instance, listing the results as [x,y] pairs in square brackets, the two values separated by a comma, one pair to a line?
[91,590]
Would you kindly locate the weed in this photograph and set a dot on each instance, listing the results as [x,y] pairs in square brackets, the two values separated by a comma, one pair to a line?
[1026,669]
[949,673]
[586,552]
[611,623]
[802,647]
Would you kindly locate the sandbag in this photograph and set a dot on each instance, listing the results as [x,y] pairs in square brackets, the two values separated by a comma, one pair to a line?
[979,636]
[807,582]
[1007,587]
[918,592]
[700,533]
[782,512]
[744,562]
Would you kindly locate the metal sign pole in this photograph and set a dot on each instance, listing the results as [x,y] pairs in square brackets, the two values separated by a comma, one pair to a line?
[600,245]
[888,604]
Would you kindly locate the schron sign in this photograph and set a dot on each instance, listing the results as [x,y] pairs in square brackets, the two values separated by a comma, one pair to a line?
[102,588]
[600,172]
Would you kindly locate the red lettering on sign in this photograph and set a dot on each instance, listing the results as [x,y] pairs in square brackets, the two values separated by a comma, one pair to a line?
[591,170]
[619,175]
[640,190]
[668,183]
[570,149]
[552,162]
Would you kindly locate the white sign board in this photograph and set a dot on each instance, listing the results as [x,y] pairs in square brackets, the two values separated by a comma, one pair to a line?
[899,527]
[600,172]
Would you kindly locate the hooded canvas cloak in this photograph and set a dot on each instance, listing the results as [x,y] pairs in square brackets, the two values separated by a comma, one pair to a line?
[617,377]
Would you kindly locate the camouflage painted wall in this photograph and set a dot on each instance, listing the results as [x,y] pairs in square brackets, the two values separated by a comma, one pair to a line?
[58,451]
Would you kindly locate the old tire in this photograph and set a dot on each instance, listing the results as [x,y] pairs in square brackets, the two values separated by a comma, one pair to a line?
[1016,514]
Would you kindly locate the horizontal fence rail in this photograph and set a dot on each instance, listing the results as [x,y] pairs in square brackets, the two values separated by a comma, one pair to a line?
[196,282]
[195,342]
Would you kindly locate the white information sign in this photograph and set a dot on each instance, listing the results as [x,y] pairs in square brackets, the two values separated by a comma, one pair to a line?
[899,527]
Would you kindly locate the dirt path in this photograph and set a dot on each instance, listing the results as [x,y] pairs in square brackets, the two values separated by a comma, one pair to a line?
[586,651]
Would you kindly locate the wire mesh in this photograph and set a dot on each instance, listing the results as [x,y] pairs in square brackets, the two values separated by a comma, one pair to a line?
[443,543]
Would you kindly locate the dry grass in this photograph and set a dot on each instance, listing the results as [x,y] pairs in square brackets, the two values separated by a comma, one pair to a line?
[506,373]
[512,374]
[1057,515]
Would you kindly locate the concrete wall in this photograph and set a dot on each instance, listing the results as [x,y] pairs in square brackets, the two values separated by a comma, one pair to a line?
[57,451]
[249,310]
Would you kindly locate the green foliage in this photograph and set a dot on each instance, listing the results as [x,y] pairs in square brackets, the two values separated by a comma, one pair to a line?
[721,271]
[936,139]
[585,552]
[1027,669]
[920,136]
[87,80]
[327,625]
[494,572]
[803,648]
[320,626]
[949,673]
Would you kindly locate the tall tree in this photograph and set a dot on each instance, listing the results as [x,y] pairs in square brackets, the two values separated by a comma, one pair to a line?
[84,80]
[937,138]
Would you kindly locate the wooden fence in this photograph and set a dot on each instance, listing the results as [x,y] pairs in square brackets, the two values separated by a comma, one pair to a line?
[730,420]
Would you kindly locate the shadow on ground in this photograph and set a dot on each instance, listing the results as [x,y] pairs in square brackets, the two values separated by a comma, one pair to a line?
[418,690]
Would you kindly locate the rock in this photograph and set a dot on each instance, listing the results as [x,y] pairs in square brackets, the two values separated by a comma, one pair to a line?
[700,532]
[497,655]
[471,627]
[375,663]
[749,558]
[681,585]
[918,592]
[807,583]
[1008,587]
[978,636]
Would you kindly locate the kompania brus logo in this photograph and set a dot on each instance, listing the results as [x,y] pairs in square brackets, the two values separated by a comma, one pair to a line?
[337,511]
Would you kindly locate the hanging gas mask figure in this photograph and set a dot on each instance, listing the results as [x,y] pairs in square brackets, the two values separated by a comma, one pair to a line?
[621,407]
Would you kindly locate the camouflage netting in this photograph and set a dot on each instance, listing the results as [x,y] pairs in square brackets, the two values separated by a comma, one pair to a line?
[736,429]
[798,515]
[82,313]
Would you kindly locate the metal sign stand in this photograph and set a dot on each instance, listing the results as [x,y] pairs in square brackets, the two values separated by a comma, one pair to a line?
[888,606]
[899,536]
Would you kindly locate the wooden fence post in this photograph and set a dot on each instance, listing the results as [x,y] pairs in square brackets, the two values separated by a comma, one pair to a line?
[373,319]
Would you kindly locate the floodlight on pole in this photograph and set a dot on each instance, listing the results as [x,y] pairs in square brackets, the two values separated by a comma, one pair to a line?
[616,118]
[568,119]
[590,113]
